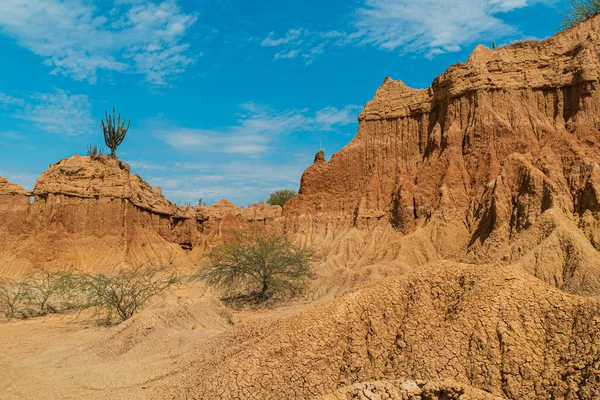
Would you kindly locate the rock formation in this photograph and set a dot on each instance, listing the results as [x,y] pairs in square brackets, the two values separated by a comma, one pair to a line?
[497,161]
[92,213]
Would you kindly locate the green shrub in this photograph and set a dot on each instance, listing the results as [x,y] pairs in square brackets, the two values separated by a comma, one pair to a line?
[128,291]
[579,10]
[41,293]
[258,266]
[280,197]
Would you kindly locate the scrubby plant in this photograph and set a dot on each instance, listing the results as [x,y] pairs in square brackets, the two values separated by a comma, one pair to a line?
[93,150]
[12,299]
[42,292]
[114,131]
[280,197]
[257,266]
[579,10]
[129,290]
[47,292]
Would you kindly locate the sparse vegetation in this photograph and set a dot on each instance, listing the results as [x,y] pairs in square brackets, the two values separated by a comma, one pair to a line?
[201,202]
[280,197]
[41,293]
[579,10]
[114,131]
[128,291]
[122,295]
[257,266]
[11,300]
[93,150]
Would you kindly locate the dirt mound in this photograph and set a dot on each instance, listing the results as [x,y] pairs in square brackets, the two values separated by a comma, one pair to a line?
[165,321]
[498,155]
[495,328]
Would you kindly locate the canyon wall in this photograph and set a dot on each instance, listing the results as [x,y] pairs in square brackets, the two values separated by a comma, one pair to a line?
[497,161]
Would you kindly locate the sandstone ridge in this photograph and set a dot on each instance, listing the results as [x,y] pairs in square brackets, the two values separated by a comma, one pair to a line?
[92,213]
[497,161]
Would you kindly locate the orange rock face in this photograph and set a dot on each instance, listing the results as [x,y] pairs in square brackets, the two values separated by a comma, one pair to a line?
[92,213]
[496,161]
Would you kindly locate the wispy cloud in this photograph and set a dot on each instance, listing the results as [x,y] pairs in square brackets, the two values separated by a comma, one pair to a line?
[6,100]
[431,26]
[291,36]
[258,126]
[240,182]
[26,180]
[78,39]
[59,112]
[302,43]
[147,166]
[329,117]
[428,26]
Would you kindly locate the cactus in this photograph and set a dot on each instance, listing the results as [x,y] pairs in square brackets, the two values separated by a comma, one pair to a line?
[114,131]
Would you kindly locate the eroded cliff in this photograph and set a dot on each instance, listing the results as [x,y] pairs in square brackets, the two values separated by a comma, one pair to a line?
[497,161]
[92,213]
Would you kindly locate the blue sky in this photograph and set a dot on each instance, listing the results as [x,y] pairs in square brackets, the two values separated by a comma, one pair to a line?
[228,98]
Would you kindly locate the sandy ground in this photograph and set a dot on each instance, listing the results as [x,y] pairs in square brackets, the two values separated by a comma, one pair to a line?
[73,356]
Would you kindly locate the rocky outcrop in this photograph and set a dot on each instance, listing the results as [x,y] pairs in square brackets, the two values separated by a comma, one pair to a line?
[92,213]
[496,161]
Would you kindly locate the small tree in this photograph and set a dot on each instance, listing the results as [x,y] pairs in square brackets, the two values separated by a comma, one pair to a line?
[280,197]
[48,292]
[261,265]
[579,10]
[114,131]
[41,293]
[129,290]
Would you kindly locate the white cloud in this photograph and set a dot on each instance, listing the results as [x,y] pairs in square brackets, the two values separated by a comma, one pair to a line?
[26,180]
[301,43]
[291,36]
[59,112]
[143,165]
[6,100]
[330,116]
[430,26]
[258,126]
[77,38]
[238,181]
[287,54]
[11,135]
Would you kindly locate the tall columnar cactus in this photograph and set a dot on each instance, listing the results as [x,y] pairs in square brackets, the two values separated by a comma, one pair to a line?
[114,131]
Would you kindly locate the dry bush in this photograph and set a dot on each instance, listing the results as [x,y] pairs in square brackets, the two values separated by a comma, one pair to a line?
[257,266]
[578,11]
[42,292]
[128,291]
[11,300]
